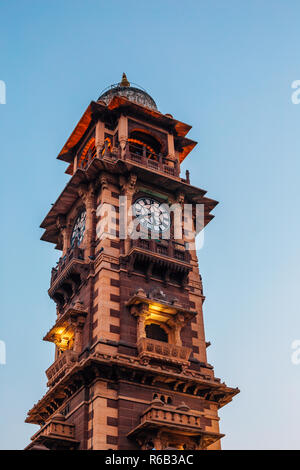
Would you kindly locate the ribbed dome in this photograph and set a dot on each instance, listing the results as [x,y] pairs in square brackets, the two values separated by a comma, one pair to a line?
[132,93]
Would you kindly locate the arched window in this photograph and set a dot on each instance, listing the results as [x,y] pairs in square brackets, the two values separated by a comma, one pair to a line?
[154,331]
[142,143]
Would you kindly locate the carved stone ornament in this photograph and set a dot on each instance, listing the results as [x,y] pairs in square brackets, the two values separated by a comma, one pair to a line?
[128,185]
[180,197]
[103,181]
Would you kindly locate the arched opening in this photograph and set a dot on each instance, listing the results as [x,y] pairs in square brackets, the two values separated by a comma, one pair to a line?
[144,144]
[88,154]
[154,331]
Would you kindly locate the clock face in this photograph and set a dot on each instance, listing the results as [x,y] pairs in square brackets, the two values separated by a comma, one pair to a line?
[78,229]
[151,214]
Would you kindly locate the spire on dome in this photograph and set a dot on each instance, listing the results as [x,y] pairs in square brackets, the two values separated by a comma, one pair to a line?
[128,90]
[124,81]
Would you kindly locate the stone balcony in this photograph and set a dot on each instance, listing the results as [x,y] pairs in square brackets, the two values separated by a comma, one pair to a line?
[168,248]
[170,416]
[152,349]
[164,259]
[169,426]
[67,276]
[159,163]
[56,434]
[58,369]
[72,254]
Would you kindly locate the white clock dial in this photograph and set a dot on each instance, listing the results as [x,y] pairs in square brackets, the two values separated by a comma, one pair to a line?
[78,229]
[151,214]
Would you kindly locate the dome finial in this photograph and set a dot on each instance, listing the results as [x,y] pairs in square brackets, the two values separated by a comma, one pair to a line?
[124,81]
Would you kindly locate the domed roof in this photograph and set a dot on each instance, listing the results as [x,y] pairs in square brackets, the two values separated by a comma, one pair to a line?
[132,93]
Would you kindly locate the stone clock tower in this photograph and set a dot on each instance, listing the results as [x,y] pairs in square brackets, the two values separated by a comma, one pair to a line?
[130,369]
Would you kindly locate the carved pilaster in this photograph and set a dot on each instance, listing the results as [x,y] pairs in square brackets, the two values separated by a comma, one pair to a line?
[103,180]
[87,195]
[128,189]
[141,312]
[62,227]
[123,134]
[78,329]
[180,198]
[99,138]
[171,149]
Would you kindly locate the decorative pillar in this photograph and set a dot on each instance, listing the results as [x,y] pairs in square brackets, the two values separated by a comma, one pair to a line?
[160,441]
[171,149]
[99,138]
[180,322]
[90,216]
[177,337]
[105,213]
[142,316]
[176,324]
[78,328]
[62,227]
[141,333]
[128,188]
[123,134]
[87,195]
[64,233]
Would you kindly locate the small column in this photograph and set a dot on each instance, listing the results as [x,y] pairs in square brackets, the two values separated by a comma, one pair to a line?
[159,442]
[176,324]
[77,321]
[171,149]
[90,213]
[177,337]
[141,312]
[123,134]
[77,347]
[61,225]
[104,213]
[141,328]
[88,196]
[141,319]
[128,189]
[65,240]
[99,137]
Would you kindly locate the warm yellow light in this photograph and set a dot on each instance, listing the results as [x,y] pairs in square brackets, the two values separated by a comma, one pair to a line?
[156,307]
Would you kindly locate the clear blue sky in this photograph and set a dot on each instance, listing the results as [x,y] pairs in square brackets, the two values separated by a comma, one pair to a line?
[226,67]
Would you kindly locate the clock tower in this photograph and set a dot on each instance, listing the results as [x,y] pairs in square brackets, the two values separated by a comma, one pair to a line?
[130,369]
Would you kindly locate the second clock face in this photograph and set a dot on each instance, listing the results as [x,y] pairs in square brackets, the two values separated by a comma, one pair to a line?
[151,214]
[78,229]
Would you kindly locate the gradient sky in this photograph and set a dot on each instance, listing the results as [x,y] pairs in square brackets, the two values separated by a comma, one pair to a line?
[226,68]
